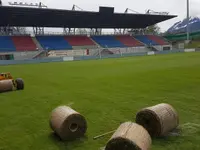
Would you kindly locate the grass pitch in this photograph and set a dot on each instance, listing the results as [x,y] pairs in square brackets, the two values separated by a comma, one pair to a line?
[106,92]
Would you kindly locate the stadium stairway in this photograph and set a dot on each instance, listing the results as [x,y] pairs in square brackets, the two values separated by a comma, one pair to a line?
[24,43]
[37,43]
[128,41]
[54,43]
[40,54]
[107,41]
[144,39]
[158,39]
[6,44]
[80,42]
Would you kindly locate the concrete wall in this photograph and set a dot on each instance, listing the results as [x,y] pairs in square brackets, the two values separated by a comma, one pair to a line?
[161,47]
[63,53]
[68,58]
[30,61]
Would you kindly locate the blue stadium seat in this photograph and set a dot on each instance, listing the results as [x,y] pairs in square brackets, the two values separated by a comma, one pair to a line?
[6,44]
[107,41]
[144,39]
[53,42]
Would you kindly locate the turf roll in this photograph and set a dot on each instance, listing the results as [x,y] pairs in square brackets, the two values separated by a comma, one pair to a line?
[19,84]
[158,120]
[6,85]
[129,136]
[67,123]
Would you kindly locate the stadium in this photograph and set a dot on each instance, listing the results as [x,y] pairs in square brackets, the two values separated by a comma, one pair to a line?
[108,78]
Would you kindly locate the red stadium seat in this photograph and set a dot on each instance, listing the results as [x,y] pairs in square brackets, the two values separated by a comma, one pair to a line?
[24,43]
[79,40]
[129,41]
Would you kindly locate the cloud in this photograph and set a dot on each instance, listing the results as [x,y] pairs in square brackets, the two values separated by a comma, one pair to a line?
[194,8]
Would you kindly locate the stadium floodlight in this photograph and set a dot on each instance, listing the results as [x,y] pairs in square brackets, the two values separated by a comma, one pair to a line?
[149,11]
[40,5]
[188,20]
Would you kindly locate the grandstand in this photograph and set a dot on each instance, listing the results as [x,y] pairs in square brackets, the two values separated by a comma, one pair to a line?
[30,47]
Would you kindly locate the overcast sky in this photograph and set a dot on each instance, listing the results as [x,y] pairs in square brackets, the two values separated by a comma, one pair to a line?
[174,7]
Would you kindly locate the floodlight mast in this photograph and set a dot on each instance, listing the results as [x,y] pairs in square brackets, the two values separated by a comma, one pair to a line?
[188,19]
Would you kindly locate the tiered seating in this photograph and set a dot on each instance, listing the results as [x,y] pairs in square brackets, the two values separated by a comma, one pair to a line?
[144,39]
[6,44]
[53,42]
[129,41]
[107,41]
[157,39]
[24,43]
[79,41]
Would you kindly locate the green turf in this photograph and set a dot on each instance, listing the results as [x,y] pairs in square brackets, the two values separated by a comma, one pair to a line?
[106,92]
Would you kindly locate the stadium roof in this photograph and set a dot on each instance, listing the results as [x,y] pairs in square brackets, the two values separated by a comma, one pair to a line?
[105,18]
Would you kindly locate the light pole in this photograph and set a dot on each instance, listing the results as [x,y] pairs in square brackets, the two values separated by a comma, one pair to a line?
[188,17]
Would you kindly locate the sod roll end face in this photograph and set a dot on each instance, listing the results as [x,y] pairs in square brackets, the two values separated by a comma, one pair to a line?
[67,123]
[158,120]
[19,84]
